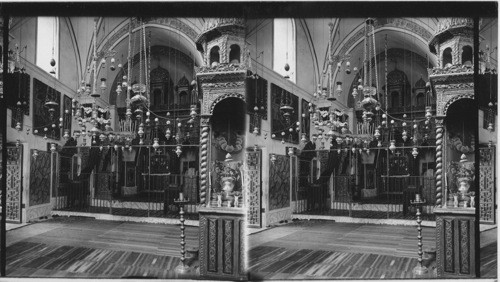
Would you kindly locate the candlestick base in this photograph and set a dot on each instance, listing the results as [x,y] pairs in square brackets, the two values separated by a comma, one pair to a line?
[420,270]
[181,268]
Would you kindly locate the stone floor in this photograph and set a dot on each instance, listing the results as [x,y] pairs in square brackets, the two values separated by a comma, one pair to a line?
[318,249]
[84,247]
[306,249]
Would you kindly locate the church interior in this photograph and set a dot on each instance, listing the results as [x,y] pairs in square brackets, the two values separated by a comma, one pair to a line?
[237,148]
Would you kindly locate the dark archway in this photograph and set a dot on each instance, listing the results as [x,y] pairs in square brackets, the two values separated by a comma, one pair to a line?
[214,55]
[447,57]
[467,55]
[234,54]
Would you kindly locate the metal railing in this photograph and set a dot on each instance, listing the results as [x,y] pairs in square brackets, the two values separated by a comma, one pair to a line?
[153,196]
[389,197]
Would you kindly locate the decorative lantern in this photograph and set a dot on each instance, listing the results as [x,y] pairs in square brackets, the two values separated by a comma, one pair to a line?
[273,158]
[118,89]
[405,135]
[290,151]
[103,84]
[377,134]
[53,147]
[303,139]
[66,134]
[168,134]
[35,153]
[18,126]
[415,152]
[178,150]
[256,130]
[392,147]
[355,92]
[156,145]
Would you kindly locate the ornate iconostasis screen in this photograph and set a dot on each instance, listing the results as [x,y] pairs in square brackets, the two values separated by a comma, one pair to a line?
[280,124]
[42,118]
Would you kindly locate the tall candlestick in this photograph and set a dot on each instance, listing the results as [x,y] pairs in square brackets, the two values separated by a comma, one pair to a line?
[181,196]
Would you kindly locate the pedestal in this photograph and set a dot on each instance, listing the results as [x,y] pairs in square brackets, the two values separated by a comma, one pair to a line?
[222,250]
[455,240]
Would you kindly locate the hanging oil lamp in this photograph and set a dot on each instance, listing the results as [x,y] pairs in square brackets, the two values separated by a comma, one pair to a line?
[178,150]
[156,145]
[273,158]
[415,152]
[392,147]
[303,139]
[53,147]
[168,134]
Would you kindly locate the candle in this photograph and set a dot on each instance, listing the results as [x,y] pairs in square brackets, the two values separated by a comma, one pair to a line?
[417,197]
[181,196]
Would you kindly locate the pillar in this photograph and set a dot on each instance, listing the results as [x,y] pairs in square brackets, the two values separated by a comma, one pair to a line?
[204,136]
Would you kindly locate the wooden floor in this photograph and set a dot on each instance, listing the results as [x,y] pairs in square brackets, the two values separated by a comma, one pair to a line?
[81,247]
[328,250]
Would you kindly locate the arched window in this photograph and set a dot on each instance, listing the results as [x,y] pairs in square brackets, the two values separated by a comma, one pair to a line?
[234,54]
[420,99]
[394,99]
[47,41]
[214,55]
[467,55]
[183,98]
[447,57]
[157,96]
[284,50]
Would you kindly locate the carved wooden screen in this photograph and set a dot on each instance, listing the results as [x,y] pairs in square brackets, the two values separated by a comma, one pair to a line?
[279,183]
[14,183]
[39,189]
[252,176]
[487,185]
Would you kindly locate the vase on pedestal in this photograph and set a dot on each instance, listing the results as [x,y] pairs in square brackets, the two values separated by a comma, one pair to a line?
[463,186]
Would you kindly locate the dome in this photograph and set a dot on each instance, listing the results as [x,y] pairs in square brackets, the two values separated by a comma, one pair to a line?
[420,83]
[213,27]
[448,28]
[397,77]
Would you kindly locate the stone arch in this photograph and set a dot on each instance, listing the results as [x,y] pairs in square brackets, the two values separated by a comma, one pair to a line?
[214,55]
[467,55]
[446,57]
[456,98]
[120,33]
[223,97]
[234,54]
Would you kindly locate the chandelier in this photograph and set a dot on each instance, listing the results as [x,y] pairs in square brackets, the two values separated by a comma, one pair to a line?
[140,126]
[376,125]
